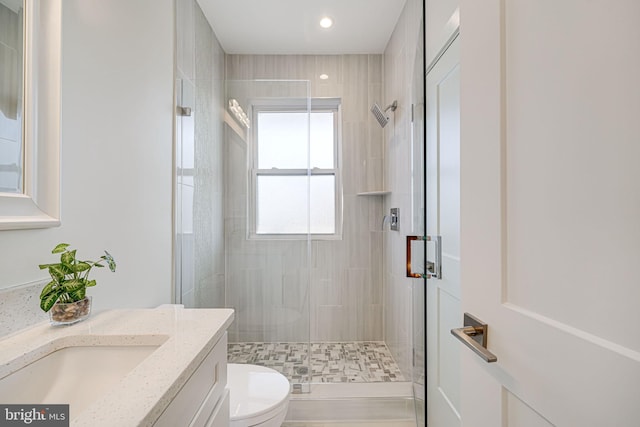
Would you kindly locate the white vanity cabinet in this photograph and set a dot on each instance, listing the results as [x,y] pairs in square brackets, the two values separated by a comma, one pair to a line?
[203,401]
[181,382]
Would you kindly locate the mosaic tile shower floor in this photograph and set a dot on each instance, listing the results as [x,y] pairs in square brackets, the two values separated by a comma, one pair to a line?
[345,362]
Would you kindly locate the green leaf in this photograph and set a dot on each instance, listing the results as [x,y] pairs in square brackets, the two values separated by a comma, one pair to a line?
[48,288]
[110,260]
[55,290]
[98,265]
[43,266]
[68,258]
[48,300]
[78,294]
[80,266]
[60,248]
[73,285]
[57,272]
[91,283]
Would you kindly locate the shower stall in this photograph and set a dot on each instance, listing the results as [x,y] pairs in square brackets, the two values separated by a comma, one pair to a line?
[296,243]
[282,212]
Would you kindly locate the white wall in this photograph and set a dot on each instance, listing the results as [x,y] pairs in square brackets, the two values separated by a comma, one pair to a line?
[117,112]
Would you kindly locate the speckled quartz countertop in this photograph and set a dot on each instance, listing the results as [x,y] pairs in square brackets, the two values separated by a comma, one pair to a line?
[185,337]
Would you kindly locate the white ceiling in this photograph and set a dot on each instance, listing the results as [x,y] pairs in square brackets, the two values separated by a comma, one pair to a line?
[292,26]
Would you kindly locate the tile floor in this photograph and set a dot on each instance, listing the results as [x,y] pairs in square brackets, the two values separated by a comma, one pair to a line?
[343,362]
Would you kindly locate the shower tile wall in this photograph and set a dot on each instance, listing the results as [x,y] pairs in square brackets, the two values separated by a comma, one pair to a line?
[209,174]
[200,189]
[267,280]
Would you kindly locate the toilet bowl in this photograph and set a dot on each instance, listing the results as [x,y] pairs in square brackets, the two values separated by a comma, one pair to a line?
[258,396]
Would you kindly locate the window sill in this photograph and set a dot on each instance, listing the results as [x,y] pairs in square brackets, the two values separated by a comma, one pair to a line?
[374,193]
[290,237]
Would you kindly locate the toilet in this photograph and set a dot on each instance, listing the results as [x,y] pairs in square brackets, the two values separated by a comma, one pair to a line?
[259,396]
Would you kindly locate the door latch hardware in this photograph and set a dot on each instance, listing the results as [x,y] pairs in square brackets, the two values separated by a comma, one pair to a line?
[474,335]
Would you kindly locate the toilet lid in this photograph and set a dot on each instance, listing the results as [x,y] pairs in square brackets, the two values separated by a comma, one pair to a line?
[255,390]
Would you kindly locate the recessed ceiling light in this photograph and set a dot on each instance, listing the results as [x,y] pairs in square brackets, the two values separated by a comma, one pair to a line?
[326,22]
[324,76]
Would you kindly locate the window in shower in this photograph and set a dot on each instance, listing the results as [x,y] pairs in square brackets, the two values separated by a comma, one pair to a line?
[295,179]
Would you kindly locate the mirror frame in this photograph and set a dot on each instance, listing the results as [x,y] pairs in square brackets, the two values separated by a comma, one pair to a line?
[39,204]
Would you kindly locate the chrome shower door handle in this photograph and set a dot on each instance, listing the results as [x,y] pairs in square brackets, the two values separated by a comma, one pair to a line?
[474,336]
[434,269]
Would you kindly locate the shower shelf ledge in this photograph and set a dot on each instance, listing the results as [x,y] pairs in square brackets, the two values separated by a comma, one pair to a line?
[374,193]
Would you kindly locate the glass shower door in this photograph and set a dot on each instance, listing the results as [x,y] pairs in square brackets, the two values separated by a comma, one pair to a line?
[266,231]
[224,199]
[418,198]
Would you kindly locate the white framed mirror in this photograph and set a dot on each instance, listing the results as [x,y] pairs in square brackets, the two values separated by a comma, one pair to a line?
[35,200]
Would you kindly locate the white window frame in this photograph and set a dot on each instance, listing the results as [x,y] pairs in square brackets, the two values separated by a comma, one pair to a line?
[333,105]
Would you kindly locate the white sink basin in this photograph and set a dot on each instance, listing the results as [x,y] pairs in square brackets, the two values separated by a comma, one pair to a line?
[77,375]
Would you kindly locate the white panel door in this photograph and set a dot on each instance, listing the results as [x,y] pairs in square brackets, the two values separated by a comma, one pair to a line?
[550,211]
[443,218]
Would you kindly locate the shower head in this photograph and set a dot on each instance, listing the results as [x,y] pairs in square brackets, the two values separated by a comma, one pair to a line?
[380,115]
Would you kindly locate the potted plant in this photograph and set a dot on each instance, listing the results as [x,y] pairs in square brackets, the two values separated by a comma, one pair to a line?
[64,297]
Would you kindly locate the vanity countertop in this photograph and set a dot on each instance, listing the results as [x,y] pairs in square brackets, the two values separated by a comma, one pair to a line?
[186,337]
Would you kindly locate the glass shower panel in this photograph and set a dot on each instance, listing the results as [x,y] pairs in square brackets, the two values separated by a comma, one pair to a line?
[184,196]
[199,143]
[419,227]
[267,184]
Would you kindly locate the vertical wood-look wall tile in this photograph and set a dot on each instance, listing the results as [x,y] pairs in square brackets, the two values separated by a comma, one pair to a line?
[345,281]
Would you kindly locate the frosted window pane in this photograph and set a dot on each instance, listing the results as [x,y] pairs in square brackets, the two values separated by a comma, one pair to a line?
[282,140]
[322,140]
[282,205]
[323,201]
